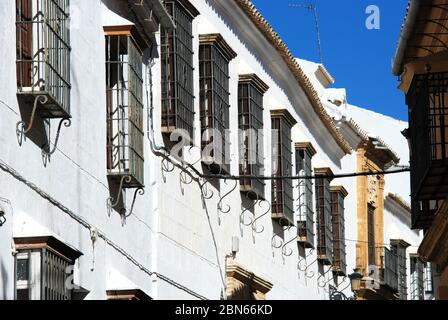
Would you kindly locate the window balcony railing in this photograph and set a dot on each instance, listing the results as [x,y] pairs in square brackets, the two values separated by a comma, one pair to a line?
[428,133]
[388,266]
[43,56]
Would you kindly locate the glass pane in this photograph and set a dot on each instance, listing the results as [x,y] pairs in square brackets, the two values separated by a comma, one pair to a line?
[22,270]
[23,294]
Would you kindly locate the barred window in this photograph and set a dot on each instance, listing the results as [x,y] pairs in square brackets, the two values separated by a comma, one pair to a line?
[43,54]
[43,269]
[177,69]
[282,189]
[250,117]
[214,58]
[429,287]
[124,93]
[305,219]
[398,248]
[338,194]
[324,218]
[371,234]
[417,278]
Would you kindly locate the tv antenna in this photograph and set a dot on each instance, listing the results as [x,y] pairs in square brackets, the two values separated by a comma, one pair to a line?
[313,8]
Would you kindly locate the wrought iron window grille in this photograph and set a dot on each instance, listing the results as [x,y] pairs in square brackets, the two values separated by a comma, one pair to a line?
[214,58]
[125,133]
[250,117]
[324,218]
[304,200]
[177,69]
[338,194]
[282,189]
[43,64]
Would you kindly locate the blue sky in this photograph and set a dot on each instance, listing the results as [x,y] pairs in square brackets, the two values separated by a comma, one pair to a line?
[360,59]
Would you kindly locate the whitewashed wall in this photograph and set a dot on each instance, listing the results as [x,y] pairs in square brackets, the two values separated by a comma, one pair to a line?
[171,247]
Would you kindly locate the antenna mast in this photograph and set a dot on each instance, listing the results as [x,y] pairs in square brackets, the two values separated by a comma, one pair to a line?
[312,7]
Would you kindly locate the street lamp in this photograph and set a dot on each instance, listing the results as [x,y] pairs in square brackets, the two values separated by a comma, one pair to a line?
[355,281]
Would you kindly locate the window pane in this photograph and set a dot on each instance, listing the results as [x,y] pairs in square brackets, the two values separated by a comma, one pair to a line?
[22,270]
[23,294]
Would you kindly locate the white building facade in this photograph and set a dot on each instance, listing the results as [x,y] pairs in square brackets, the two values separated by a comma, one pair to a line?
[103,209]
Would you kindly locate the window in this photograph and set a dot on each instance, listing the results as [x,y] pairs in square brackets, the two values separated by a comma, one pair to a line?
[282,190]
[124,106]
[427,99]
[177,69]
[250,114]
[371,234]
[324,218]
[398,248]
[305,219]
[338,194]
[43,269]
[214,57]
[43,55]
[429,287]
[417,278]
[389,264]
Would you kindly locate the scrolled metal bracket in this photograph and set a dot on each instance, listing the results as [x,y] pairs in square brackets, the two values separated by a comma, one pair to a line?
[286,251]
[138,191]
[255,229]
[299,266]
[322,276]
[21,127]
[47,154]
[220,208]
[113,202]
[248,209]
[310,274]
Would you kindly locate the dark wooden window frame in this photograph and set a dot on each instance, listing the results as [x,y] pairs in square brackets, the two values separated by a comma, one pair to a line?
[124,96]
[305,219]
[177,69]
[214,74]
[43,55]
[251,90]
[324,216]
[282,189]
[338,194]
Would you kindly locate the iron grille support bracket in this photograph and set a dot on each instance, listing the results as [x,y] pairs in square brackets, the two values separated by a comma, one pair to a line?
[47,154]
[113,202]
[21,127]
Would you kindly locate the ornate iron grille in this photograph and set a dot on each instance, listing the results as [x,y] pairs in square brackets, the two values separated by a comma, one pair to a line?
[54,277]
[42,275]
[43,55]
[282,189]
[177,71]
[389,265]
[417,279]
[214,102]
[305,223]
[124,109]
[324,223]
[428,124]
[339,248]
[400,252]
[250,109]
